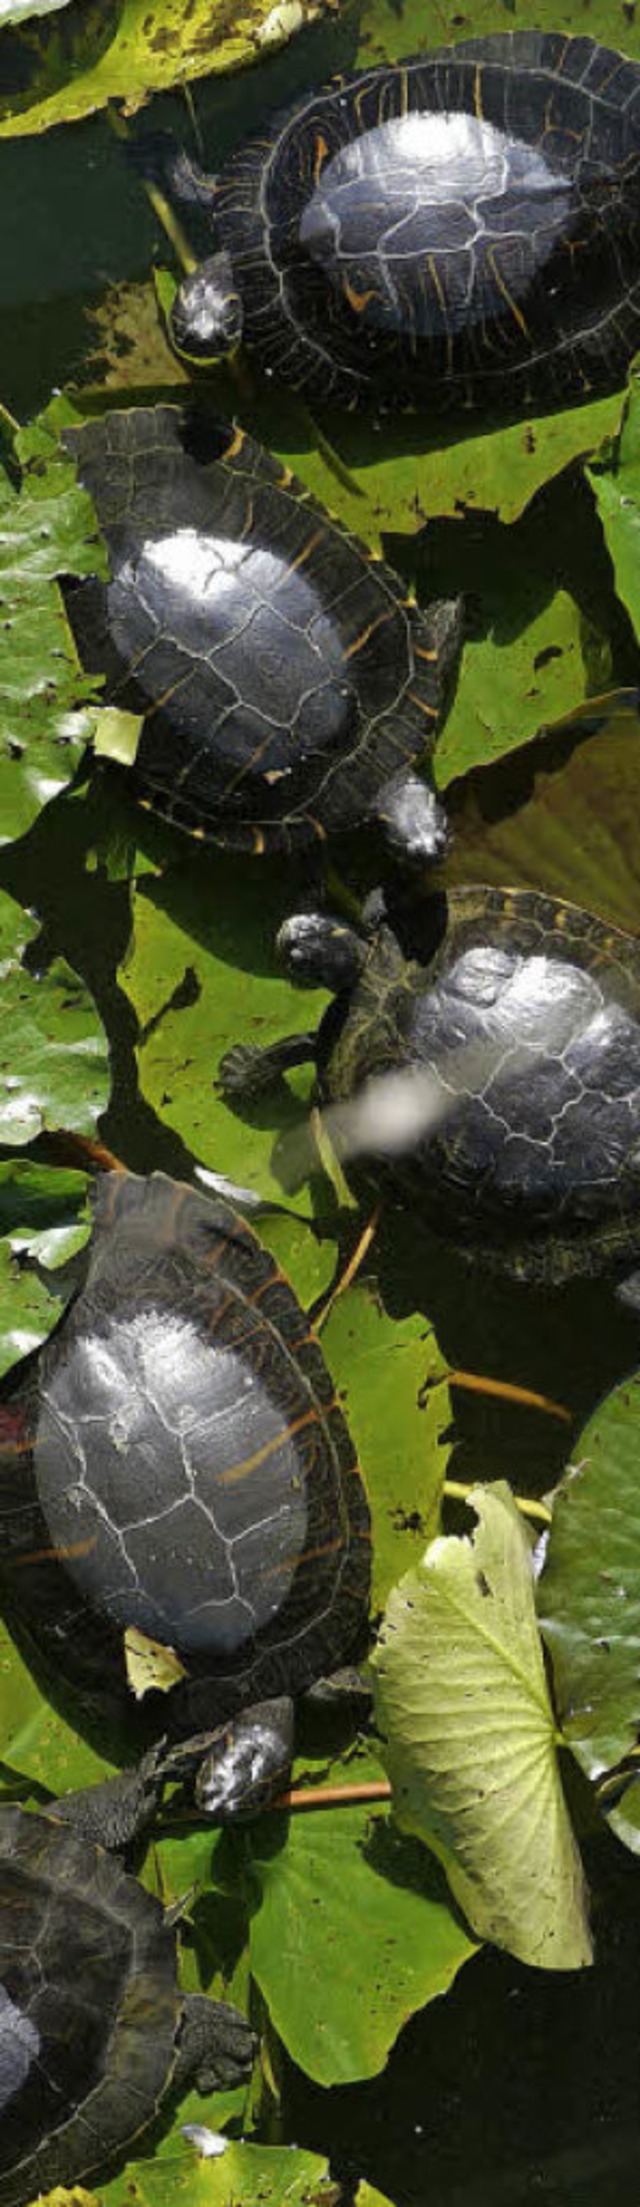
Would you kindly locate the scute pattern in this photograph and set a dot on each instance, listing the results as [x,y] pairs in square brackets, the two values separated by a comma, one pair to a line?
[369,274]
[283,675]
[528,1023]
[87,1959]
[179,1462]
[134,1426]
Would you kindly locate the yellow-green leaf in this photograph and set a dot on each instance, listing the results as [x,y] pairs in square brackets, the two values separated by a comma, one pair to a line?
[470,1740]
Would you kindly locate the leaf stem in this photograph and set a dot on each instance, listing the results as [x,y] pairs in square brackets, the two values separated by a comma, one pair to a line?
[329,1797]
[356,1259]
[506,1390]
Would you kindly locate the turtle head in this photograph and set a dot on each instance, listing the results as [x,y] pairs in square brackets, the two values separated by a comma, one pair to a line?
[206,316]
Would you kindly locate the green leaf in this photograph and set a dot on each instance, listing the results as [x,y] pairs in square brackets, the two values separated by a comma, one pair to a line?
[15,11]
[408,476]
[53,1054]
[392,1382]
[46,528]
[244,2176]
[35,1741]
[125,49]
[615,481]
[589,1591]
[470,1741]
[201,973]
[43,1222]
[353,1910]
[117,735]
[384,35]
[308,1259]
[528,670]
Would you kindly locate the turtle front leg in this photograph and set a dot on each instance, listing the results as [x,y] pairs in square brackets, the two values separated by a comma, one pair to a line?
[215,2046]
[116,1811]
[247,1071]
[320,952]
[413,821]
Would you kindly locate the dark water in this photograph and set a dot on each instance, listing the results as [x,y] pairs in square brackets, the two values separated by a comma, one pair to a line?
[519,2086]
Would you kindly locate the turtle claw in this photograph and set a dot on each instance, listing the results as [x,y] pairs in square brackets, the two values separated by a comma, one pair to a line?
[216,2047]
[244,1071]
[115,1812]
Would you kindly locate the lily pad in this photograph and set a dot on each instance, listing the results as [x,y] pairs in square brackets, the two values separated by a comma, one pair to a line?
[615,481]
[386,36]
[47,527]
[125,49]
[406,476]
[529,669]
[257,2176]
[16,11]
[469,1738]
[43,1222]
[589,1591]
[200,972]
[352,1908]
[392,1382]
[35,1742]
[54,1068]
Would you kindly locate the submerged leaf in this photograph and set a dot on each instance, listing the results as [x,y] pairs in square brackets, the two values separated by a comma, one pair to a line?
[564,816]
[470,1740]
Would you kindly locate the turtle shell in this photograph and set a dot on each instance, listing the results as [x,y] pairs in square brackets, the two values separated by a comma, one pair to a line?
[526,1026]
[89,2005]
[282,673]
[463,227]
[175,1460]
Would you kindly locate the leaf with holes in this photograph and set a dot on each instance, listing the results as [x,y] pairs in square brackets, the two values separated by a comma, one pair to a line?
[469,1736]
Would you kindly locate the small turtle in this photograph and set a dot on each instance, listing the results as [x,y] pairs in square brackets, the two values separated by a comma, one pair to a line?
[286,679]
[174,1460]
[94,2029]
[494,1057]
[459,228]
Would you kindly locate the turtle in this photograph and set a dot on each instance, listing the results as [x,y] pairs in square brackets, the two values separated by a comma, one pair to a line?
[93,2026]
[286,677]
[458,228]
[174,1463]
[482,1053]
